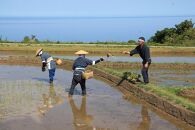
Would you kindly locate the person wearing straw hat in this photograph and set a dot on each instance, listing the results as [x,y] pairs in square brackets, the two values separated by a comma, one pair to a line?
[48,61]
[143,50]
[78,67]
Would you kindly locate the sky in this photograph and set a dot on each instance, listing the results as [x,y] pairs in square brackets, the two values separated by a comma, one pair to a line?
[96,8]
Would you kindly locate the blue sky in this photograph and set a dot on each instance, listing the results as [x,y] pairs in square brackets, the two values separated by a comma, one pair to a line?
[96,8]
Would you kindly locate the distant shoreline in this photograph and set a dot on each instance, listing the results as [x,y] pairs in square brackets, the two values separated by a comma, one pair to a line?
[88,17]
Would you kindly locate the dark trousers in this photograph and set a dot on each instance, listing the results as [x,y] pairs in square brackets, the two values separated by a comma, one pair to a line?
[52,74]
[144,72]
[75,80]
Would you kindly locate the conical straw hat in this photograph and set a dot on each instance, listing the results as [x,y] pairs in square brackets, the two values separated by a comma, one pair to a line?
[81,52]
[38,51]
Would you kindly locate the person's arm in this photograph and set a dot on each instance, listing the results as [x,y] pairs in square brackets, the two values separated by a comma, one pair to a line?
[126,52]
[147,57]
[90,62]
[134,51]
[44,63]
[73,66]
[43,66]
[97,61]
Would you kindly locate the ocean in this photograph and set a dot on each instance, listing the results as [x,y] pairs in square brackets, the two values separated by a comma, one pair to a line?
[86,29]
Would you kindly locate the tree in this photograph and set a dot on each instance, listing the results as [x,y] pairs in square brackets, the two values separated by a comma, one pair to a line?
[29,40]
[161,36]
[131,41]
[26,39]
[183,26]
[36,40]
[33,37]
[178,35]
[0,37]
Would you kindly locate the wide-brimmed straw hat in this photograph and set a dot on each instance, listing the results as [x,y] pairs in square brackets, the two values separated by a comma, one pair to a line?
[38,51]
[81,52]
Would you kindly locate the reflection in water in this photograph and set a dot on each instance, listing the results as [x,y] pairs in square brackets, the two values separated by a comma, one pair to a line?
[145,124]
[50,100]
[82,121]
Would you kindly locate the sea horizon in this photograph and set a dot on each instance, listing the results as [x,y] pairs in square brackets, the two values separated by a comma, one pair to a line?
[86,29]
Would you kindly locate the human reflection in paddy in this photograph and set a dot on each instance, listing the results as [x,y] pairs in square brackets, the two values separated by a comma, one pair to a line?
[81,120]
[145,123]
[49,100]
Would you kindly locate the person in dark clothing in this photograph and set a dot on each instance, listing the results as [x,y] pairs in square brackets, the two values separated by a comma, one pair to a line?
[143,50]
[48,61]
[78,67]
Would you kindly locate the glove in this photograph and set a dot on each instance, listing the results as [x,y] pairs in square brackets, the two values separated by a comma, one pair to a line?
[43,69]
[44,64]
[97,61]
[101,59]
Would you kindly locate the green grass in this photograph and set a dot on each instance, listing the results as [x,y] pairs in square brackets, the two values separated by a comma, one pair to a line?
[171,94]
[166,92]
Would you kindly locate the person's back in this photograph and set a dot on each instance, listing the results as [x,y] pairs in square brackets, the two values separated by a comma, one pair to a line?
[47,58]
[81,62]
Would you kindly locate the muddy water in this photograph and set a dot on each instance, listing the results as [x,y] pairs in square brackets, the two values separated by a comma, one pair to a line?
[28,102]
[156,59]
[168,59]
[178,78]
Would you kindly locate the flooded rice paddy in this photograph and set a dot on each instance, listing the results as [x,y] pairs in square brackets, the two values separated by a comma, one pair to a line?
[29,102]
[157,59]
[161,59]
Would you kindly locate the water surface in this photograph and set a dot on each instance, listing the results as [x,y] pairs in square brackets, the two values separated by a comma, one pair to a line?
[86,29]
[168,59]
[28,102]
